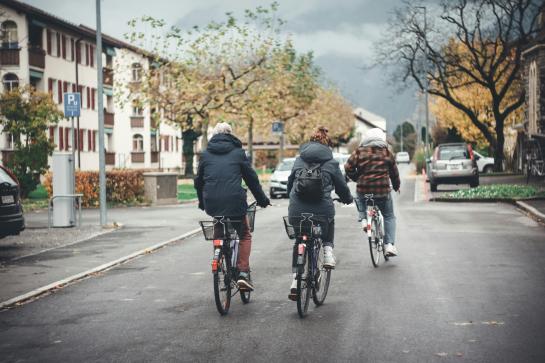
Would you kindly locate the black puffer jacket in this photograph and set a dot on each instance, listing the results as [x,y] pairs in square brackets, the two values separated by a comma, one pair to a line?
[219,179]
[332,178]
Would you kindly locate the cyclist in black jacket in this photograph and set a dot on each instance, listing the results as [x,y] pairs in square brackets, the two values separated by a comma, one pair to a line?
[222,168]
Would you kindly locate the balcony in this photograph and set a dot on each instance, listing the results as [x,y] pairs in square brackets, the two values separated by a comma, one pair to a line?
[155,156]
[108,76]
[9,57]
[110,158]
[36,57]
[137,121]
[137,157]
[108,119]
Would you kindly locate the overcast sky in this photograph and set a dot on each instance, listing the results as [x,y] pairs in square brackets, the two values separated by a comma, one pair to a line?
[341,34]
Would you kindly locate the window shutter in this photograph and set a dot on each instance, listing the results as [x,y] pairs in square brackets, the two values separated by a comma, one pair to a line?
[80,140]
[50,86]
[78,53]
[63,42]
[92,55]
[51,134]
[72,50]
[93,97]
[61,139]
[89,140]
[73,88]
[60,91]
[86,54]
[65,86]
[48,41]
[94,141]
[88,97]
[67,139]
[58,44]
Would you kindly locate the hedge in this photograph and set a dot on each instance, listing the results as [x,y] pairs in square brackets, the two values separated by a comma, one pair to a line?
[122,186]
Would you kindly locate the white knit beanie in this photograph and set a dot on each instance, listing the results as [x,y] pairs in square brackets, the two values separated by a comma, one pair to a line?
[375,133]
[222,128]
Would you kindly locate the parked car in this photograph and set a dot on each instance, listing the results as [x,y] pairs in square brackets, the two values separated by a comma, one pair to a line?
[453,164]
[484,163]
[12,220]
[279,179]
[403,157]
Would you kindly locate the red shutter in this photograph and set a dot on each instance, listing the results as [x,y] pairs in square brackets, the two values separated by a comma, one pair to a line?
[67,139]
[89,140]
[61,139]
[88,97]
[48,41]
[58,44]
[73,88]
[86,54]
[50,86]
[78,53]
[72,50]
[51,134]
[63,42]
[93,96]
[94,141]
[80,140]
[92,55]
[59,83]
[65,86]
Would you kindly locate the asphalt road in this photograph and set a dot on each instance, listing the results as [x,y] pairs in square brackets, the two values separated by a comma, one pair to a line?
[468,286]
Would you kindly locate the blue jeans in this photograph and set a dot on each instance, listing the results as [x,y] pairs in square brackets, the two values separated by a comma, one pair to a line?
[386,207]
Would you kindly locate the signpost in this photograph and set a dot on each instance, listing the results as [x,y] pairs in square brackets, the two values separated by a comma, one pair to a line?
[72,108]
[278,129]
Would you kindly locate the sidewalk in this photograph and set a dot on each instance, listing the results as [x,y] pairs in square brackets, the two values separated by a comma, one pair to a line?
[142,228]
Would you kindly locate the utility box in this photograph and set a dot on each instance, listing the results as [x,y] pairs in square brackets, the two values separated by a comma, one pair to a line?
[64,209]
[161,188]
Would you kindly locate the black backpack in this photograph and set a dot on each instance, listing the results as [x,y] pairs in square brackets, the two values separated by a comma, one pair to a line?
[308,183]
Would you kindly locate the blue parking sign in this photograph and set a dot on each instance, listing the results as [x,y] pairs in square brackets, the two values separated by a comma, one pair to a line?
[72,104]
[278,127]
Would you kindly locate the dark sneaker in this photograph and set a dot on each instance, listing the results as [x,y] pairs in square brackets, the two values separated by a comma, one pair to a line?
[244,281]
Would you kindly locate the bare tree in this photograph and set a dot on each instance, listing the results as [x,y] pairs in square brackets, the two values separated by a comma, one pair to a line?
[467,43]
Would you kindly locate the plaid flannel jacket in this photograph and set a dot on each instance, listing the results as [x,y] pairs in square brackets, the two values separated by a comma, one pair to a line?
[373,168]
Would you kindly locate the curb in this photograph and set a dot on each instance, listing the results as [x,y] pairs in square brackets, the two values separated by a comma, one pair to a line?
[537,215]
[36,293]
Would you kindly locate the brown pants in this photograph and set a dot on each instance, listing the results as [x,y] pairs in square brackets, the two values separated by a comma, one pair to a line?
[245,241]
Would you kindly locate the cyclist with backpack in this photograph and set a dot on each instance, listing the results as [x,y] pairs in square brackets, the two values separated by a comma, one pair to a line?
[222,168]
[373,166]
[315,174]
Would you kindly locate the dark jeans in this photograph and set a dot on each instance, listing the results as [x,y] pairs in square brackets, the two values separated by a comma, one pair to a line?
[386,207]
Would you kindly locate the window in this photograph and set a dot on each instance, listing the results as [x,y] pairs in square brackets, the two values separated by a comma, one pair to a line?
[10,144]
[136,72]
[137,143]
[9,35]
[137,108]
[11,82]
[153,143]
[532,99]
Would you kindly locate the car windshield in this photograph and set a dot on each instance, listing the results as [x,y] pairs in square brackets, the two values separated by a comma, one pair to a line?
[402,154]
[285,165]
[5,178]
[453,152]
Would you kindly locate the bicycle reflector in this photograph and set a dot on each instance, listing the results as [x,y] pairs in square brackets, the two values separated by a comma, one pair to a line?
[301,248]
[218,242]
[304,238]
[214,265]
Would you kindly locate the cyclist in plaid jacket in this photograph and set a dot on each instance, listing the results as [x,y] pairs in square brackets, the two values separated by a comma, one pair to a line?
[372,166]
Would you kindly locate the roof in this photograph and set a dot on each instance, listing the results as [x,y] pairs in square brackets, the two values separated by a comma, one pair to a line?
[370,118]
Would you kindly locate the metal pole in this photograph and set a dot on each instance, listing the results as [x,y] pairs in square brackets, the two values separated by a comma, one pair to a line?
[281,155]
[401,137]
[101,154]
[76,44]
[73,155]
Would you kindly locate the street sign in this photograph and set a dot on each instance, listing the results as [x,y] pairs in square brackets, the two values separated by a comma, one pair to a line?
[277,127]
[72,104]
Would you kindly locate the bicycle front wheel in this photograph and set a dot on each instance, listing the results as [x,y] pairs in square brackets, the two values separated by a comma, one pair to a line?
[222,285]
[303,288]
[321,279]
[374,246]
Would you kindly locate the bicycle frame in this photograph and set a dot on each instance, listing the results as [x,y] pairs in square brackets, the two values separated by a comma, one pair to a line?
[227,246]
[307,246]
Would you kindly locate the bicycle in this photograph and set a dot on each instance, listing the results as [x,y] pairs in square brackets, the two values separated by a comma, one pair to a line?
[312,278]
[221,230]
[373,225]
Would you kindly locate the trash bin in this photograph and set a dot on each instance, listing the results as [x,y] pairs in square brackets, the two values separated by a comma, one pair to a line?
[64,209]
[161,188]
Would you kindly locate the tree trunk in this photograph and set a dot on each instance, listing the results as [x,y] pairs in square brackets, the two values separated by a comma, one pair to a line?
[498,151]
[188,151]
[204,133]
[251,142]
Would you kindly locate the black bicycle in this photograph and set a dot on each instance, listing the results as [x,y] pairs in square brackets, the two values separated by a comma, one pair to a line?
[373,225]
[221,230]
[312,276]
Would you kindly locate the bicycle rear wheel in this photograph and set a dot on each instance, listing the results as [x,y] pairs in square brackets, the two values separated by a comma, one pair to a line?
[303,287]
[321,279]
[222,285]
[374,246]
[245,296]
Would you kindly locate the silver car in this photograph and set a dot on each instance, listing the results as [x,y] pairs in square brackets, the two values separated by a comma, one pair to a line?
[453,164]
[278,186]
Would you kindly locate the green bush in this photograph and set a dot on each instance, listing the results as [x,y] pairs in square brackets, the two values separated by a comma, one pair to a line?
[419,160]
[498,191]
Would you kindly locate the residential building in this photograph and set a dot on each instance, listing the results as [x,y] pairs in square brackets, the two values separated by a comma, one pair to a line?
[365,120]
[56,56]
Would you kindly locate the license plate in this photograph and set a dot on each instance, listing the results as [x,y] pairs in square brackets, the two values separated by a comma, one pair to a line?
[8,199]
[455,167]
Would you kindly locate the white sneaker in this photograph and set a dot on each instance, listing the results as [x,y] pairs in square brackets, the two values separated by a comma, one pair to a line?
[390,250]
[329,257]
[293,289]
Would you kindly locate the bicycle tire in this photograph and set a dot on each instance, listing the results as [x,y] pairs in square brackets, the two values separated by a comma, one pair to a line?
[222,285]
[245,296]
[374,244]
[321,280]
[303,288]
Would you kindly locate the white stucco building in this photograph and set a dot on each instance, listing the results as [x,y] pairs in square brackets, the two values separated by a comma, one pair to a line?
[365,120]
[56,56]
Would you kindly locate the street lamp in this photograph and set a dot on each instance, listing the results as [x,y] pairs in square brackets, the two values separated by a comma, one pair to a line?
[426,83]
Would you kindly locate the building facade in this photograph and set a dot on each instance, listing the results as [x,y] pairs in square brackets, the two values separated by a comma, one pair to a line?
[56,56]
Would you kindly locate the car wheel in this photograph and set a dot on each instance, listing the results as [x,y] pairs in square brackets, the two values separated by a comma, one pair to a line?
[272,195]
[488,169]
[474,183]
[433,187]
